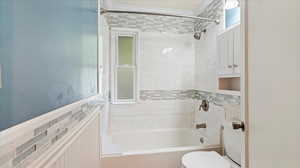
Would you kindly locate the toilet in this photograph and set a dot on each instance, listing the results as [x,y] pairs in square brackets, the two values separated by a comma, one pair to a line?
[212,159]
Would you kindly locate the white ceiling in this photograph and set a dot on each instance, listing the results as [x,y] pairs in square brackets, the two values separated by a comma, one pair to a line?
[184,5]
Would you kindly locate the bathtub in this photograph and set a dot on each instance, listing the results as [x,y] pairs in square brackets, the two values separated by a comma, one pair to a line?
[152,148]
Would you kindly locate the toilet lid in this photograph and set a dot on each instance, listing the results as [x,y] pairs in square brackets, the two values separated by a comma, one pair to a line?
[204,160]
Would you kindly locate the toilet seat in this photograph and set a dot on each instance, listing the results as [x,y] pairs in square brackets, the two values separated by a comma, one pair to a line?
[204,160]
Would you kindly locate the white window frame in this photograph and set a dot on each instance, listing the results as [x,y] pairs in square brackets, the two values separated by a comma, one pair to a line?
[100,54]
[115,33]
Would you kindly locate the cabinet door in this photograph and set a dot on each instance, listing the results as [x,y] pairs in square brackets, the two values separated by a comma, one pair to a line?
[237,50]
[230,50]
[221,54]
[225,52]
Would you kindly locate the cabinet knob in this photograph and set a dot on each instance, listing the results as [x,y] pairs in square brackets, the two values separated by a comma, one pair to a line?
[235,65]
[229,66]
[238,125]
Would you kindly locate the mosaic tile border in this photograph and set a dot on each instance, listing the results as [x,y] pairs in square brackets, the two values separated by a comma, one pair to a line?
[148,23]
[166,94]
[218,99]
[214,11]
[45,136]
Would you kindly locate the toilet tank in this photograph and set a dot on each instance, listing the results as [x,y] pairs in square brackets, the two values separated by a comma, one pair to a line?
[232,141]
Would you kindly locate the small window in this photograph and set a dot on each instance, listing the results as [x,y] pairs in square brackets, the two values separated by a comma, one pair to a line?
[232,17]
[124,66]
[232,13]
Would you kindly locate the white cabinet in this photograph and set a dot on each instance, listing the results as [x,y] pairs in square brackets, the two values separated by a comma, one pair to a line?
[229,51]
[237,49]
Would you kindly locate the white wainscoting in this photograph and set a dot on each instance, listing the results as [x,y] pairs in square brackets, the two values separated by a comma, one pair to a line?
[68,137]
[82,150]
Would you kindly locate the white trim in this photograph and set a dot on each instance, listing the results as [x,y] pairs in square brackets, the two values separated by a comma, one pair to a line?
[115,33]
[99,53]
[155,130]
[124,29]
[229,92]
[172,149]
[233,75]
[244,90]
[130,101]
[164,150]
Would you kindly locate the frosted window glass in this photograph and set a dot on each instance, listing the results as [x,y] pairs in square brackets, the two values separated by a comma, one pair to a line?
[126,50]
[232,17]
[125,83]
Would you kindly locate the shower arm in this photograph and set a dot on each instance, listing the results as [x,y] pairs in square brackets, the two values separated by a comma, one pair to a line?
[103,11]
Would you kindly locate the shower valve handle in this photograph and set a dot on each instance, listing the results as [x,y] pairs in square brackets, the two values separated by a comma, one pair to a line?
[204,106]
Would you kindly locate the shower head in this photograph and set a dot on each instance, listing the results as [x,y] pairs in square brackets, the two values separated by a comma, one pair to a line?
[198,34]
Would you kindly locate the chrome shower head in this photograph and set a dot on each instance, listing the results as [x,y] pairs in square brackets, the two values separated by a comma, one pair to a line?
[198,34]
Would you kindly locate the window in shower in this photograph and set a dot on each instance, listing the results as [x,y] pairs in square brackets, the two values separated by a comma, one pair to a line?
[232,17]
[124,45]
[232,13]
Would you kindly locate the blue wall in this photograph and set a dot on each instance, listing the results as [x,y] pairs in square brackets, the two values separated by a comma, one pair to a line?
[48,54]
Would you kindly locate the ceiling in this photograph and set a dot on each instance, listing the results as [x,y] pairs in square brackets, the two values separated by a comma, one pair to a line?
[185,5]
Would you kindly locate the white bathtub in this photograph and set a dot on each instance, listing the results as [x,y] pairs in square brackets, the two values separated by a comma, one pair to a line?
[155,148]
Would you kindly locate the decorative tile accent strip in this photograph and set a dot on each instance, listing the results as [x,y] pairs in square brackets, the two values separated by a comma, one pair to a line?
[166,94]
[31,142]
[24,155]
[216,98]
[51,123]
[60,135]
[214,11]
[46,135]
[150,23]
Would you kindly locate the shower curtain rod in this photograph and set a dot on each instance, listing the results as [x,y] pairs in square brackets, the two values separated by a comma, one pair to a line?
[103,11]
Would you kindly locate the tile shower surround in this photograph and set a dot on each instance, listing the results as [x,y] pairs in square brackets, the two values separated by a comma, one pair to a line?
[44,136]
[164,109]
